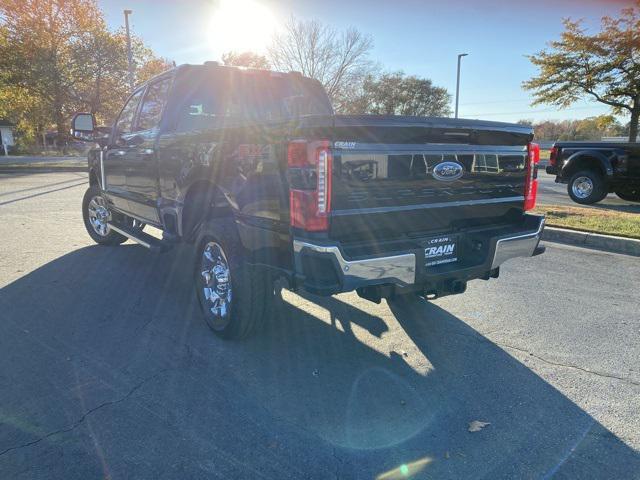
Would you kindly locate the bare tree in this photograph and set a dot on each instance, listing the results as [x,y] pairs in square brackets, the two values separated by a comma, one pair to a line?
[339,60]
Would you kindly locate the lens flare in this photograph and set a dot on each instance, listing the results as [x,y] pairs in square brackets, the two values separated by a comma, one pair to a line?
[406,470]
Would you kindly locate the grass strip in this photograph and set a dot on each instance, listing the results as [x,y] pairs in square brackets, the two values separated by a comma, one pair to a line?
[606,221]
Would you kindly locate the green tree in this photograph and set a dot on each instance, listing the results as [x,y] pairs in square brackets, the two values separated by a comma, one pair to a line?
[594,128]
[604,66]
[28,114]
[399,94]
[246,59]
[104,69]
[152,66]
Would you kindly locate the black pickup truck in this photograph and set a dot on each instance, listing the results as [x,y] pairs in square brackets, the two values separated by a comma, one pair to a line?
[592,170]
[254,170]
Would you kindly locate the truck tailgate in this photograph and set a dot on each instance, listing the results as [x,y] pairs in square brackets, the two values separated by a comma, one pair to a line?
[416,177]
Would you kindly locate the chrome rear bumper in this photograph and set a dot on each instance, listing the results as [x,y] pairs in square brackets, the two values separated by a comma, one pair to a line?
[402,269]
[522,245]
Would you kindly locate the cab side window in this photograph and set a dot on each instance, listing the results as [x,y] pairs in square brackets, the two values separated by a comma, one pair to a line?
[202,99]
[124,124]
[152,105]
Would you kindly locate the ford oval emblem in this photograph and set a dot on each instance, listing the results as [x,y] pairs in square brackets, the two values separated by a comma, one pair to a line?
[447,171]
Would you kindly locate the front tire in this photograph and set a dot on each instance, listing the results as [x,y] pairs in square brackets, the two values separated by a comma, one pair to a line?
[96,215]
[232,294]
[586,187]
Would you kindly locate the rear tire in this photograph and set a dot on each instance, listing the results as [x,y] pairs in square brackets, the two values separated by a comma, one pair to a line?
[233,295]
[96,214]
[587,187]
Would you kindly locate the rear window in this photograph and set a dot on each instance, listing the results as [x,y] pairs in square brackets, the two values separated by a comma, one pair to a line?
[207,95]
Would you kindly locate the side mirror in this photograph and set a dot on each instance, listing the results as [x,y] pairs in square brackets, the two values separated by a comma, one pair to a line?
[83,126]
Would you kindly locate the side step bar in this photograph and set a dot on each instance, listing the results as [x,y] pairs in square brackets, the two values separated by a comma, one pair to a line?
[148,241]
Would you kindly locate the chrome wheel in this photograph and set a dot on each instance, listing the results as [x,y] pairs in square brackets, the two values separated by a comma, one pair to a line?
[582,187]
[99,215]
[216,279]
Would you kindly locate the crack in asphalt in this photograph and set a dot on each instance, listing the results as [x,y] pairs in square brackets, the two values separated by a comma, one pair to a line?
[570,365]
[482,339]
[79,422]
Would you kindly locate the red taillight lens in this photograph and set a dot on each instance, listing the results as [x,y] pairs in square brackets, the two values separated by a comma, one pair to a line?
[553,155]
[310,166]
[297,154]
[531,185]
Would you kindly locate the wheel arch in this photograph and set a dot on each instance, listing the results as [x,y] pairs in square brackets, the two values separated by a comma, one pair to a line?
[93,177]
[588,160]
[203,200]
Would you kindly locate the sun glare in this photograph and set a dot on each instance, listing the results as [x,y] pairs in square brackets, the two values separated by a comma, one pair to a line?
[240,25]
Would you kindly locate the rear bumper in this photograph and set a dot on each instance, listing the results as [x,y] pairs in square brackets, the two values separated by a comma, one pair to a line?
[521,245]
[328,269]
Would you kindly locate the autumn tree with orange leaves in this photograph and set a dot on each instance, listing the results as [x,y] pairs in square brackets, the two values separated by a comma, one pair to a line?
[58,57]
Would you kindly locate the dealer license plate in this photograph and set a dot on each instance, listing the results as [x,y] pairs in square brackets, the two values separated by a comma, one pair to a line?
[440,250]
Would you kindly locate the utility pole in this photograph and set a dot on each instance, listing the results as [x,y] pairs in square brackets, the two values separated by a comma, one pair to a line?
[460,55]
[129,54]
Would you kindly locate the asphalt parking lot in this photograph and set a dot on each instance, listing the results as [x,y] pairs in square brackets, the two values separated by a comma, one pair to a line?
[108,372]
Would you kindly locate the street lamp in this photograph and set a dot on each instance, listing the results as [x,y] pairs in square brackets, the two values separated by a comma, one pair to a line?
[460,55]
[129,54]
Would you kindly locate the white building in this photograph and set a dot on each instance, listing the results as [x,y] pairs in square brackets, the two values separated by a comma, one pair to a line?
[6,135]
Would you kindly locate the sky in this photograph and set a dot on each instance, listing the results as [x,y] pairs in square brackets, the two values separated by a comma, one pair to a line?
[421,38]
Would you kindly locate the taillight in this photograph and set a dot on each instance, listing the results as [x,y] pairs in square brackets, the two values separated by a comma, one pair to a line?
[553,155]
[531,185]
[310,184]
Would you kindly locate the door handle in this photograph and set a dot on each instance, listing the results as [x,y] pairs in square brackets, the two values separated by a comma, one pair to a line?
[117,153]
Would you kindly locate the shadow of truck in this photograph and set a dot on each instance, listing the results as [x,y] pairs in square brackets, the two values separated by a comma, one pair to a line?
[107,371]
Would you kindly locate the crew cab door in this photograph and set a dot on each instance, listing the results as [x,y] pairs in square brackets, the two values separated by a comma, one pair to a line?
[117,153]
[142,166]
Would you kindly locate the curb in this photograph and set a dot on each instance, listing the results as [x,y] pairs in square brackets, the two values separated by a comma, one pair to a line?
[608,243]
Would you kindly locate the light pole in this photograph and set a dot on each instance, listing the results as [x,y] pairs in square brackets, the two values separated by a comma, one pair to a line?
[460,55]
[129,54]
